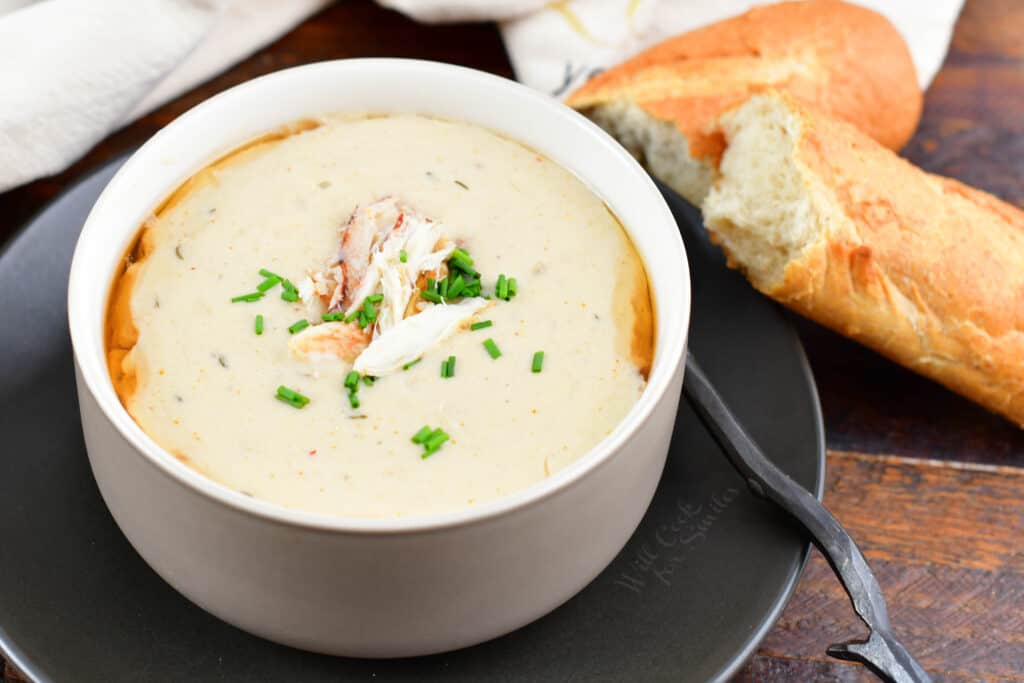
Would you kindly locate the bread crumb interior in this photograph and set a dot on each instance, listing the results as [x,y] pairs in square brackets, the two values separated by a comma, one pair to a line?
[761,208]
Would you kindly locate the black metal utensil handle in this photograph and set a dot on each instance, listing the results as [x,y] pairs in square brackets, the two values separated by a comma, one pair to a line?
[881,651]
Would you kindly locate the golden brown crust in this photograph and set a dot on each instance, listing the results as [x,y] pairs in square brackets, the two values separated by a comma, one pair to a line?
[843,59]
[926,270]
[633,303]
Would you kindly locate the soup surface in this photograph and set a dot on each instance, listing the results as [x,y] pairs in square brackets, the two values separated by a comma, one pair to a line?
[362,226]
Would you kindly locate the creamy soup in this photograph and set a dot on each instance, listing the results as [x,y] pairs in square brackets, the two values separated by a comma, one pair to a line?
[380,316]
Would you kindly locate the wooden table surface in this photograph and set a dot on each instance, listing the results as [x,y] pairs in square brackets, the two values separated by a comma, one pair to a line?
[931,486]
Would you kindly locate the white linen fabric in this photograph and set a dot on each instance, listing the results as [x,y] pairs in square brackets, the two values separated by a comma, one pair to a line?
[72,71]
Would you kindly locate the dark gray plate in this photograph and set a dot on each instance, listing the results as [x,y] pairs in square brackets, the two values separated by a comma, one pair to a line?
[702,580]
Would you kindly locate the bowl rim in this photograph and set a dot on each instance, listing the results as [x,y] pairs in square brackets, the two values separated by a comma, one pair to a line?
[668,360]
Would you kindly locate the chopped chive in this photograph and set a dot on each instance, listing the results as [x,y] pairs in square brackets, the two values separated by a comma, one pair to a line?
[431,284]
[267,284]
[403,256]
[352,380]
[288,292]
[492,349]
[538,361]
[421,436]
[430,296]
[465,266]
[298,326]
[267,274]
[333,317]
[291,397]
[363,320]
[353,400]
[442,287]
[248,298]
[448,367]
[370,310]
[434,441]
[352,316]
[463,255]
[501,289]
[368,380]
[375,298]
[513,287]
[411,363]
[480,325]
[455,287]
[259,324]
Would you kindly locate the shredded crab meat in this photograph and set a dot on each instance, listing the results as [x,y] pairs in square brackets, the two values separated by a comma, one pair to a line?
[329,340]
[413,336]
[373,242]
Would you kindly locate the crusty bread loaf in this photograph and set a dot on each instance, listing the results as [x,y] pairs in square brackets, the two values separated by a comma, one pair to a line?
[843,59]
[921,268]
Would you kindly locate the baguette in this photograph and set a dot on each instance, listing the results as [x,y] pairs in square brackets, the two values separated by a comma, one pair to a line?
[843,59]
[921,268]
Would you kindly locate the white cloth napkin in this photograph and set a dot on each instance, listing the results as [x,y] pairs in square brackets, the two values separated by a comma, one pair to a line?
[72,71]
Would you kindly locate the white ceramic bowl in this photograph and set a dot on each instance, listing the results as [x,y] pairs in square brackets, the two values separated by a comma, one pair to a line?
[377,588]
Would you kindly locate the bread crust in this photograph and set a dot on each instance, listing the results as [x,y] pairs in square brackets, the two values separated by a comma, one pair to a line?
[923,269]
[845,60]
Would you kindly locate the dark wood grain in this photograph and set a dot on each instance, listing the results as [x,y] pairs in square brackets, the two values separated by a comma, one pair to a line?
[927,482]
[944,541]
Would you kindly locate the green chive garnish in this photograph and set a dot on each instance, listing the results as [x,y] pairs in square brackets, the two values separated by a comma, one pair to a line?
[466,266]
[455,287]
[288,291]
[259,324]
[352,316]
[442,286]
[448,367]
[492,349]
[433,442]
[368,380]
[411,363]
[462,255]
[333,317]
[422,435]
[375,298]
[538,361]
[248,298]
[363,320]
[501,289]
[267,274]
[291,397]
[352,380]
[430,296]
[353,400]
[513,287]
[370,310]
[402,256]
[480,325]
[298,326]
[268,283]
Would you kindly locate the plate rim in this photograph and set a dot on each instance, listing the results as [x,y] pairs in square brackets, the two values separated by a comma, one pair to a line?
[30,669]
